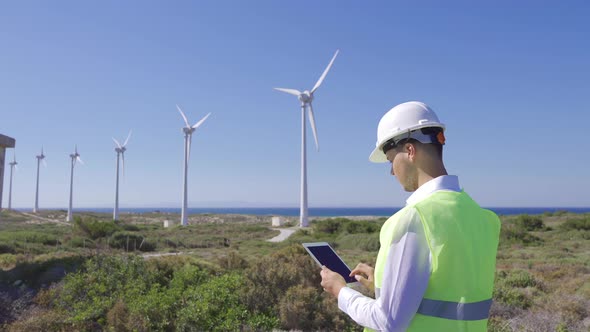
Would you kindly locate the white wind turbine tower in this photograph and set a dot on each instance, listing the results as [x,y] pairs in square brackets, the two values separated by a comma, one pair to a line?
[188,136]
[306,98]
[120,149]
[75,157]
[12,167]
[40,158]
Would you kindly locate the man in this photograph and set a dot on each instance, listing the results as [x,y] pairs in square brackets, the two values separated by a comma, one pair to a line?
[435,267]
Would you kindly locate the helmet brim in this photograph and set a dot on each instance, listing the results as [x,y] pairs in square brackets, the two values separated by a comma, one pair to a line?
[377,156]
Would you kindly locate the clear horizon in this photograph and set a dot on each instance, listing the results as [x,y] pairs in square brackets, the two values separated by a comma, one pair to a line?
[507,79]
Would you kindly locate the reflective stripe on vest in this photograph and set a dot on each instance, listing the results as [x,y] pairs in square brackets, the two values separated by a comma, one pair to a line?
[455,310]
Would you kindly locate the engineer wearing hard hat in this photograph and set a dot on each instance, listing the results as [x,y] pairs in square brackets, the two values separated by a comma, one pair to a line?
[435,267]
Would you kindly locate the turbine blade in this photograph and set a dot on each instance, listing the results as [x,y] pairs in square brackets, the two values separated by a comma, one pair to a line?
[15,167]
[127,140]
[44,162]
[183,116]
[319,82]
[79,160]
[117,142]
[41,149]
[201,121]
[312,122]
[289,91]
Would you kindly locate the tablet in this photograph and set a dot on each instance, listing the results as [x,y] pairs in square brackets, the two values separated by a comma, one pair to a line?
[323,254]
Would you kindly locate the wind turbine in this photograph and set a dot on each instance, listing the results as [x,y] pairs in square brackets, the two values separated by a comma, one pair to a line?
[188,136]
[75,157]
[12,167]
[40,158]
[120,149]
[306,98]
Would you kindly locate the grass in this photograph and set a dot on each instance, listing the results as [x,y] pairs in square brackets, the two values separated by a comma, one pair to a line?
[543,262]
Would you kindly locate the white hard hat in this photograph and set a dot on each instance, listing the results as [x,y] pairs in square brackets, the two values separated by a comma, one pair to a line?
[403,121]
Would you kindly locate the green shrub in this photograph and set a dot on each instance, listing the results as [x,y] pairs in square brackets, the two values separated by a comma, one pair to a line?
[213,306]
[366,242]
[529,223]
[511,233]
[130,242]
[270,277]
[80,242]
[233,261]
[6,248]
[297,308]
[520,279]
[577,224]
[512,297]
[29,237]
[354,227]
[7,260]
[329,226]
[94,228]
[511,288]
[130,227]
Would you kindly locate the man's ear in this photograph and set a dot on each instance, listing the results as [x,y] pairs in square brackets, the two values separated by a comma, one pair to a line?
[411,151]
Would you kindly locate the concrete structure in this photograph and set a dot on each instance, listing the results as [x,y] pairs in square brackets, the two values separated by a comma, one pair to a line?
[277,221]
[5,142]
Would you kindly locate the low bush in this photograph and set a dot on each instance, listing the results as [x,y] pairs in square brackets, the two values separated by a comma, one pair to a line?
[129,241]
[80,242]
[233,261]
[354,227]
[7,248]
[366,242]
[329,226]
[529,223]
[521,279]
[516,288]
[94,228]
[7,260]
[25,236]
[577,224]
[511,234]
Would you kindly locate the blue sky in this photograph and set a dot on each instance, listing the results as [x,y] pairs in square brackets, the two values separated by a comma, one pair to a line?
[510,81]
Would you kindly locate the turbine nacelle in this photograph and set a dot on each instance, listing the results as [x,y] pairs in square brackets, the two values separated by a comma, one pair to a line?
[188,130]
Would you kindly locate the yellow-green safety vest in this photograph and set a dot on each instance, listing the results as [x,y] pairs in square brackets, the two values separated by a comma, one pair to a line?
[463,241]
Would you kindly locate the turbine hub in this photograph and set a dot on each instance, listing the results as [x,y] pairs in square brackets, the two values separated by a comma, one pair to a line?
[305,97]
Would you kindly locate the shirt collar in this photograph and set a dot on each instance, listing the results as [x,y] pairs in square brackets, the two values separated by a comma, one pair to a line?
[443,182]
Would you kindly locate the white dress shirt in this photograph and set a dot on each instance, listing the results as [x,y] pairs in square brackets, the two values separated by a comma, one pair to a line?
[406,274]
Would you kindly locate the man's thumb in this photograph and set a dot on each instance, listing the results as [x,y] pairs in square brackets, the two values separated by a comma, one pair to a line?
[363,281]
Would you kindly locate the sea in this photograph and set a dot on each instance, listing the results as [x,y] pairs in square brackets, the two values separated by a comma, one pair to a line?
[326,211]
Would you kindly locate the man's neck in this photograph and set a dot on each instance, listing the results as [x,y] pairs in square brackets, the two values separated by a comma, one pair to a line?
[428,173]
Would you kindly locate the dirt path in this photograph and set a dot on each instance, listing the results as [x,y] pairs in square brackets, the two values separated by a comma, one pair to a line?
[285,233]
[37,218]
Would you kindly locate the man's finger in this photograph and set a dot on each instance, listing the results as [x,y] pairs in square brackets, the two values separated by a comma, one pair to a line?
[363,281]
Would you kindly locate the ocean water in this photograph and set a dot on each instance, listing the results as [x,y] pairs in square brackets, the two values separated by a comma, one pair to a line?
[327,211]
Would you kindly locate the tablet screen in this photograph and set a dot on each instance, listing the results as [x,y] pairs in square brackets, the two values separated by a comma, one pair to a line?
[325,255]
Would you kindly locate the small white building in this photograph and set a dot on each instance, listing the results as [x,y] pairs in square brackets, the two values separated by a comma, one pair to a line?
[167,223]
[277,221]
